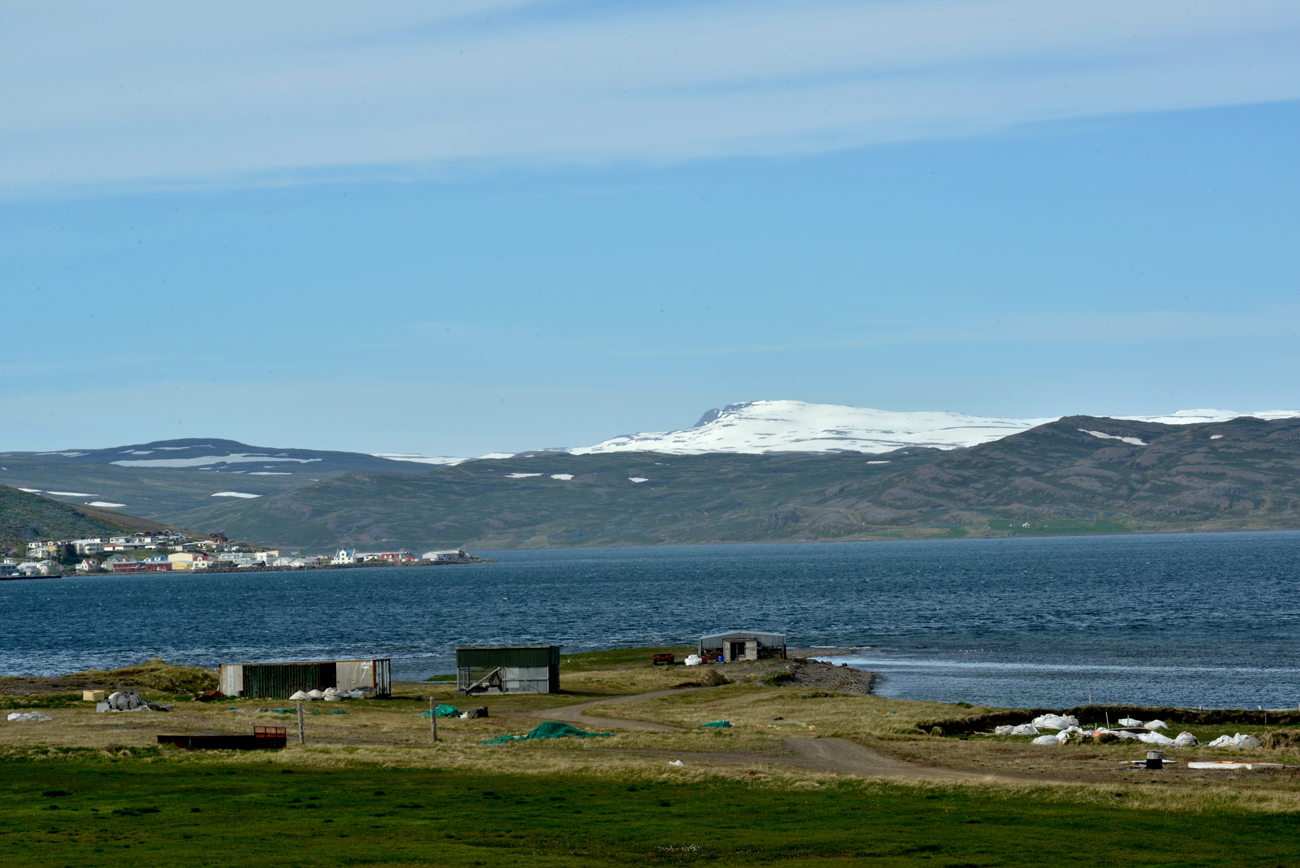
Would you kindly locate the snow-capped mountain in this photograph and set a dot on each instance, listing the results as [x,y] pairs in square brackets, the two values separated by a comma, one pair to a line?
[794,426]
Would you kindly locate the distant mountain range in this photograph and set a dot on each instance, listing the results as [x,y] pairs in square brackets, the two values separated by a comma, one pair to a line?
[760,427]
[773,471]
[1078,474]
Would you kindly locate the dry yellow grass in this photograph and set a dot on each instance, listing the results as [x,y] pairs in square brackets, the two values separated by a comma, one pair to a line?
[787,711]
[392,733]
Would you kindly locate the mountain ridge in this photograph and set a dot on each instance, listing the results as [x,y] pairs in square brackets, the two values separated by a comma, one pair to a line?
[1078,474]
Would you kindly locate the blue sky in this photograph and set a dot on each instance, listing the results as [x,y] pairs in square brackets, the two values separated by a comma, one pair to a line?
[508,225]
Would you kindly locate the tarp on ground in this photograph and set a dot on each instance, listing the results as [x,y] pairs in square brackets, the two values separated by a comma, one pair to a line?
[718,724]
[550,729]
[444,711]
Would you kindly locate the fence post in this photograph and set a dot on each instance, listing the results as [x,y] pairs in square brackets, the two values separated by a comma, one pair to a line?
[433,719]
[302,739]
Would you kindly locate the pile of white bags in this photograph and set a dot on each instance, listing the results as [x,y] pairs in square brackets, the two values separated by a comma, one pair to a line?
[694,660]
[1022,729]
[34,716]
[1061,737]
[329,694]
[1055,721]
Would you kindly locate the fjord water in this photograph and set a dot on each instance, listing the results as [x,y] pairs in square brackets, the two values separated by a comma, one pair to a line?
[1193,620]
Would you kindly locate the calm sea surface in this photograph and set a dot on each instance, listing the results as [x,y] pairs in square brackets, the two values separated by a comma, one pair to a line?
[1195,620]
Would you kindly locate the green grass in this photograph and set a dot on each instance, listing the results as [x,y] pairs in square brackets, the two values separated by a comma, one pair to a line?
[45,700]
[588,660]
[1058,527]
[164,809]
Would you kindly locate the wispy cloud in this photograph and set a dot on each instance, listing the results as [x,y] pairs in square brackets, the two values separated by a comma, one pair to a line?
[139,94]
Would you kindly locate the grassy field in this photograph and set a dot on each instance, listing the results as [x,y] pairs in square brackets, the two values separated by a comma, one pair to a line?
[371,788]
[161,810]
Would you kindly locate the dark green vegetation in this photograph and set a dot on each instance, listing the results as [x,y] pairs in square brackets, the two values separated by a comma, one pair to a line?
[168,809]
[1055,479]
[588,660]
[25,517]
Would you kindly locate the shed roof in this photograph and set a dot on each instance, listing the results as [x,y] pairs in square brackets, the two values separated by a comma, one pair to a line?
[714,640]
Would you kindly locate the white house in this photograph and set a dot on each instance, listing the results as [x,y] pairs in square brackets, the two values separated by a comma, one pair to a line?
[345,556]
[85,547]
[40,568]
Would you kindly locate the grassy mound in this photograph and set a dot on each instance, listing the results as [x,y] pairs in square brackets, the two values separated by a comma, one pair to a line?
[156,676]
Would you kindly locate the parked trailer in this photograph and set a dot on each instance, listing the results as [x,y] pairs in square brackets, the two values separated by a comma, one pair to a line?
[263,738]
[282,680]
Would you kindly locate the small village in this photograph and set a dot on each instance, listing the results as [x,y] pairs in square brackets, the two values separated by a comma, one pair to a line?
[173,551]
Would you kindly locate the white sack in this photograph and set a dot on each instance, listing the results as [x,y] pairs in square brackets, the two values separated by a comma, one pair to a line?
[693,660]
[1128,721]
[1046,739]
[300,696]
[1156,738]
[1185,739]
[1238,740]
[1156,724]
[315,694]
[1055,721]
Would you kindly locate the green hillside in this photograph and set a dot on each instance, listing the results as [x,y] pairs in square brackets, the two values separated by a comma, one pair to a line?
[25,517]
[1054,479]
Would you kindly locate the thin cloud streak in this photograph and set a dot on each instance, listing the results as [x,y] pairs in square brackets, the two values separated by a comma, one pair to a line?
[236,93]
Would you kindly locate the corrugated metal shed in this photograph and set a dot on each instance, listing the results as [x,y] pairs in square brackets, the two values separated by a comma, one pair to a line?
[508,669]
[283,679]
[715,640]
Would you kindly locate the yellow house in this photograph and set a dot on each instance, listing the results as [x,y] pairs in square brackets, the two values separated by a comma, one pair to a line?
[181,561]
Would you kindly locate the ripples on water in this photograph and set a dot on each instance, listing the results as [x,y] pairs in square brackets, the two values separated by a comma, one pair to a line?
[1204,619]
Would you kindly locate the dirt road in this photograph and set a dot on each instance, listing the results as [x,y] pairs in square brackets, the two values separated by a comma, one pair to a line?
[835,755]
[575,713]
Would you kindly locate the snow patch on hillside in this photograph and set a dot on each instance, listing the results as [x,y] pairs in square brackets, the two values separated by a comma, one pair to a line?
[206,460]
[418,458]
[1135,441]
